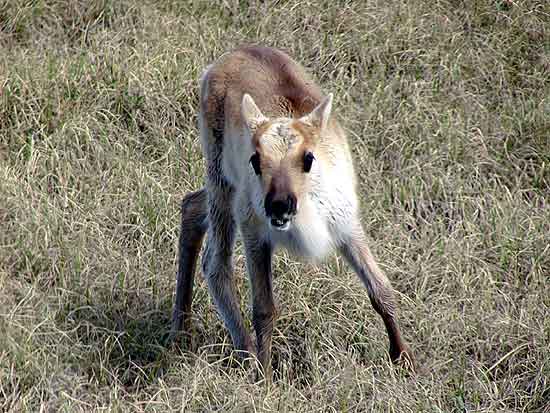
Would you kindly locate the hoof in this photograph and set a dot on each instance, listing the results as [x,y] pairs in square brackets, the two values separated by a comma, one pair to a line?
[405,359]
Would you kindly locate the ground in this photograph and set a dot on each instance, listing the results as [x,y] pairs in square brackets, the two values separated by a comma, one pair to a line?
[447,108]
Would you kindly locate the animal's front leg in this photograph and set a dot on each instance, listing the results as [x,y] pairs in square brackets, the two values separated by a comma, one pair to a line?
[264,311]
[358,254]
[218,268]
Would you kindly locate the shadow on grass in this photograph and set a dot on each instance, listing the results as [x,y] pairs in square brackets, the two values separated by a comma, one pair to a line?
[125,336]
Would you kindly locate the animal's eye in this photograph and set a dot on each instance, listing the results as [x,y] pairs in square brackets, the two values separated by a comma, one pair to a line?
[308,160]
[255,162]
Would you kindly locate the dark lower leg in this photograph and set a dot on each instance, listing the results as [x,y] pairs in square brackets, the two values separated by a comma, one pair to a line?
[218,272]
[258,257]
[380,292]
[224,297]
[263,325]
[397,346]
[192,230]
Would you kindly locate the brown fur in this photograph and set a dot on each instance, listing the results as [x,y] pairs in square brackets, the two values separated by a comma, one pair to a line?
[278,85]
[308,133]
[262,128]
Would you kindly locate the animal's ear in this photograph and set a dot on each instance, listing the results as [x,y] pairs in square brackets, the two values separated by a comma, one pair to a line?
[321,114]
[251,113]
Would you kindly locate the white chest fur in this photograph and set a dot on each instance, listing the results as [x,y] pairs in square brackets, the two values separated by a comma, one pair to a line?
[307,238]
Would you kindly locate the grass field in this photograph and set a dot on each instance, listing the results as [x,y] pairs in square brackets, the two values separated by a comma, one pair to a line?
[447,105]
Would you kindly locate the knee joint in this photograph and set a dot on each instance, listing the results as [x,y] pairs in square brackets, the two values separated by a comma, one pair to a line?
[266,315]
[383,301]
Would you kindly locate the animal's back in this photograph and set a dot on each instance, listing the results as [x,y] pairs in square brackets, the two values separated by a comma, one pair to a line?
[278,85]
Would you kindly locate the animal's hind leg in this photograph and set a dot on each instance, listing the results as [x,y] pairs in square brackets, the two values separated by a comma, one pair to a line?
[193,227]
[217,263]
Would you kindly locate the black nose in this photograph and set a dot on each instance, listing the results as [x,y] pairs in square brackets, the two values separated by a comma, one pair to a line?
[278,207]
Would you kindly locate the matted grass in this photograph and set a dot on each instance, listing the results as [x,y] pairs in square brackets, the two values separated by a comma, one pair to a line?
[447,104]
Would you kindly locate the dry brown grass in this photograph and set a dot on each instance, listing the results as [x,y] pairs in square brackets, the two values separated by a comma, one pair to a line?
[448,111]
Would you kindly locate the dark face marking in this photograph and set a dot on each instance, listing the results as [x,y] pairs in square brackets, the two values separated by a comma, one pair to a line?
[255,162]
[308,161]
[280,207]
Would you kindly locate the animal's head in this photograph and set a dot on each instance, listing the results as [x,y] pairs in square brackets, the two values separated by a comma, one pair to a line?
[285,159]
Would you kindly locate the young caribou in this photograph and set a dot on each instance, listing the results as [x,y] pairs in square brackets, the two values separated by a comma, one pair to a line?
[279,168]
